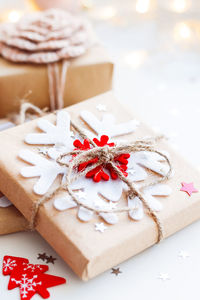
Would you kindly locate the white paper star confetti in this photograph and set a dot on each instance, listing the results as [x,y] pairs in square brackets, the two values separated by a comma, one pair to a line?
[164,276]
[81,195]
[100,227]
[101,107]
[43,150]
[183,254]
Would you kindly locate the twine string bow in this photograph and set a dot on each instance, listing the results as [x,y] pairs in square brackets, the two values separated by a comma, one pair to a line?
[106,155]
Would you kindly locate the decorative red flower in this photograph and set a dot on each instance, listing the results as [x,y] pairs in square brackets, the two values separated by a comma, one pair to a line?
[98,173]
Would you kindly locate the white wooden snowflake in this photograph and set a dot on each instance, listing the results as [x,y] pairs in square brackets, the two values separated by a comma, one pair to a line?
[100,195]
[149,193]
[59,134]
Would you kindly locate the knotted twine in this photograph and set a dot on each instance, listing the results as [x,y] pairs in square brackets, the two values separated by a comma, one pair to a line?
[46,38]
[105,155]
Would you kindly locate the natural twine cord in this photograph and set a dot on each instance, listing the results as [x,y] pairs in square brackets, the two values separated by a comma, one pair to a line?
[57,83]
[105,156]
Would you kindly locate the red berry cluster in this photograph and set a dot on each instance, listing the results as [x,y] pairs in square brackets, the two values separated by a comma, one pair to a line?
[98,173]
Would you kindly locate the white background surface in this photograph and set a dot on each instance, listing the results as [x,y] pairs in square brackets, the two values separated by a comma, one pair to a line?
[158,76]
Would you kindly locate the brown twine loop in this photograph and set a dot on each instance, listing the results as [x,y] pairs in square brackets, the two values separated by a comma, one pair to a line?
[105,155]
[24,115]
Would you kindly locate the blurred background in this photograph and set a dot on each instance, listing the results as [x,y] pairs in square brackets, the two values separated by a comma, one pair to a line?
[156,47]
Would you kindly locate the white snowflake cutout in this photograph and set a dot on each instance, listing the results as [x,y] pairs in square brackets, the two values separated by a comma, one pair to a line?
[148,193]
[44,168]
[139,161]
[107,124]
[4,202]
[58,134]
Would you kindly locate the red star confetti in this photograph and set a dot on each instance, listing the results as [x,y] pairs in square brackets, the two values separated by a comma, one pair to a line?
[30,278]
[188,188]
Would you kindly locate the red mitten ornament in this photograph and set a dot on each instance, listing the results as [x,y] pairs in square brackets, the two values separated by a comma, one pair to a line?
[29,278]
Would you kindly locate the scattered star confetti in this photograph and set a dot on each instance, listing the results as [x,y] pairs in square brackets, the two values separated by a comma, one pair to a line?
[164,276]
[100,227]
[116,271]
[183,254]
[81,194]
[101,107]
[131,171]
[71,133]
[42,256]
[112,205]
[188,188]
[50,259]
[43,150]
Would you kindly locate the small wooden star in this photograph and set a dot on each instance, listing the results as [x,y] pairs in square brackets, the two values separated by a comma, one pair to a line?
[81,195]
[164,276]
[131,171]
[42,256]
[50,259]
[188,188]
[101,107]
[100,227]
[116,271]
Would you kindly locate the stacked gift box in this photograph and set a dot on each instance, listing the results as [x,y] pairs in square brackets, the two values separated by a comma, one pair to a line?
[121,196]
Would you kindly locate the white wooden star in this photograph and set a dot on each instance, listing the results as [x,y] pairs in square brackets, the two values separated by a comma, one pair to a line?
[183,254]
[101,107]
[81,195]
[164,276]
[100,227]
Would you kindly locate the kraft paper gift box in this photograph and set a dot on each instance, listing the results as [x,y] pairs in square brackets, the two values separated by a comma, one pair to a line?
[87,76]
[88,247]
[11,220]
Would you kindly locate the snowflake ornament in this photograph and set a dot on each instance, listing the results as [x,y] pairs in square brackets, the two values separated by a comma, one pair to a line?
[107,124]
[100,187]
[149,193]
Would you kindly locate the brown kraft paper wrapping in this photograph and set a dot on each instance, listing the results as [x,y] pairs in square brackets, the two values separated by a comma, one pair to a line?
[11,220]
[85,250]
[87,76]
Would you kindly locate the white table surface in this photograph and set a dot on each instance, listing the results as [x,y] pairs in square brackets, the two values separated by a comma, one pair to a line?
[158,76]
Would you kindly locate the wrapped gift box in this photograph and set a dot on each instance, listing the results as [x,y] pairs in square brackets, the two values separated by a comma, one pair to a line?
[11,220]
[87,247]
[87,76]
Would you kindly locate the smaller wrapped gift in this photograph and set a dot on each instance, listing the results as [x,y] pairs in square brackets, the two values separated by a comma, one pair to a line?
[11,220]
[97,183]
[53,59]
